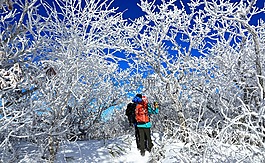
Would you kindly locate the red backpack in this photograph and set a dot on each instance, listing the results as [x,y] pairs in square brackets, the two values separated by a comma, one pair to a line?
[141,111]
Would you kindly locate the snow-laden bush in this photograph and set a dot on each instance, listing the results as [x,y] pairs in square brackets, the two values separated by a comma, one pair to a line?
[202,61]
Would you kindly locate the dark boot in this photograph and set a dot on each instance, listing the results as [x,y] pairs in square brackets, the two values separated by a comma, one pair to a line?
[142,153]
[150,148]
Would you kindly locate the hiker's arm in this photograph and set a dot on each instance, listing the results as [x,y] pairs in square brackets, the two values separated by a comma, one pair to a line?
[152,110]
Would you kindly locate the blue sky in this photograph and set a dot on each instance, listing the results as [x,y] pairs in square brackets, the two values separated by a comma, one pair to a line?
[133,11]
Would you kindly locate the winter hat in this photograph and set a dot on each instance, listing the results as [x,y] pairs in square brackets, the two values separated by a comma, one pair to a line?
[137,99]
[139,95]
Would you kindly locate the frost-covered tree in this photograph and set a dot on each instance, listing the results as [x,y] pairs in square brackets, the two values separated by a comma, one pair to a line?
[81,42]
[20,25]
[207,60]
[71,73]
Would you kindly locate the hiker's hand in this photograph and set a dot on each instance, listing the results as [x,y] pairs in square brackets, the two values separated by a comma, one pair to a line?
[155,104]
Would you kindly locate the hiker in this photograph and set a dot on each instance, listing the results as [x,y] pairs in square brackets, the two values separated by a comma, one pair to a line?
[142,112]
[130,113]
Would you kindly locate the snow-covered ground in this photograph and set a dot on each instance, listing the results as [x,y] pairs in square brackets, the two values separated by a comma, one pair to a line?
[123,150]
[120,150]
[97,151]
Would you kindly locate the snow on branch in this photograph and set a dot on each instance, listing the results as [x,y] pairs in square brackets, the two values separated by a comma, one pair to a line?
[10,78]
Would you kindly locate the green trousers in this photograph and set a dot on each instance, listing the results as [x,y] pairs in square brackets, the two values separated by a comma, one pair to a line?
[145,134]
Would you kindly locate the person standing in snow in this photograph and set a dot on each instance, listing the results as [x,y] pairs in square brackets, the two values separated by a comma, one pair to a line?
[142,112]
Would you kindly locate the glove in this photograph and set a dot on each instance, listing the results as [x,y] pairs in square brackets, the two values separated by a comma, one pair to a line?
[156,105]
